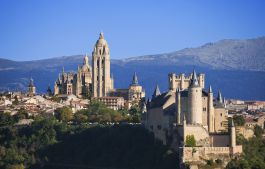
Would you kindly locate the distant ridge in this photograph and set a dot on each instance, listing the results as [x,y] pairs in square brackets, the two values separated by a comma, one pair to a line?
[235,66]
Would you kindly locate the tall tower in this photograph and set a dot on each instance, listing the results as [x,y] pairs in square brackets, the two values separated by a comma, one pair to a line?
[210,111]
[102,82]
[195,101]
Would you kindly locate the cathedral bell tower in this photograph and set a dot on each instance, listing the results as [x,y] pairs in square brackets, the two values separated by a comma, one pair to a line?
[102,82]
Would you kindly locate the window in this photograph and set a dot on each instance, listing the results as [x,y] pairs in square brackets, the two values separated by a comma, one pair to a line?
[159,127]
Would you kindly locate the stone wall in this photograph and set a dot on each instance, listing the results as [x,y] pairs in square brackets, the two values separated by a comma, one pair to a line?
[200,134]
[220,140]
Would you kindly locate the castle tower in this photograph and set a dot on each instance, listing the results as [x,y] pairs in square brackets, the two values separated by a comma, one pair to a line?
[31,88]
[232,134]
[102,82]
[178,104]
[194,101]
[210,111]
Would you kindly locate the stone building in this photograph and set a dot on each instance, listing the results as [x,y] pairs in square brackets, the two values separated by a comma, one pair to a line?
[187,109]
[31,88]
[96,81]
[133,95]
[79,84]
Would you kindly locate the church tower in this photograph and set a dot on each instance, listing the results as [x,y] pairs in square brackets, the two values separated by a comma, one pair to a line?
[31,88]
[102,82]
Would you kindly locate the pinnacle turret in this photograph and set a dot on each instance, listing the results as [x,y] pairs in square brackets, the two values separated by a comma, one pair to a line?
[219,97]
[194,80]
[101,35]
[85,60]
[135,79]
[156,92]
[210,89]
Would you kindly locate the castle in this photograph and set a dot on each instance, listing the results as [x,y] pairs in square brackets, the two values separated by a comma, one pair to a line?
[97,82]
[188,111]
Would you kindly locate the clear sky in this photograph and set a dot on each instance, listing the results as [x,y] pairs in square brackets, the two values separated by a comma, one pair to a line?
[37,29]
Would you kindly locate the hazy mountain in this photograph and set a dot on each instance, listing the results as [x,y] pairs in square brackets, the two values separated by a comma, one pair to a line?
[234,66]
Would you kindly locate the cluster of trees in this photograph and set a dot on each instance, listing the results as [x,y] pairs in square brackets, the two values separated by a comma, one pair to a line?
[253,152]
[6,119]
[48,143]
[100,113]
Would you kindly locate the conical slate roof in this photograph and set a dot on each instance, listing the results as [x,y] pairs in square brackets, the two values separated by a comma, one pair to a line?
[156,92]
[194,80]
[135,79]
[219,97]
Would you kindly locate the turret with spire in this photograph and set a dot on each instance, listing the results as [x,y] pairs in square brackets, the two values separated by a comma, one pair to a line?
[194,80]
[134,80]
[156,92]
[219,97]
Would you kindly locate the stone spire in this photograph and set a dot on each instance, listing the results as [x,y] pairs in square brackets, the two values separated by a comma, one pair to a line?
[194,80]
[85,60]
[219,97]
[156,92]
[31,84]
[224,101]
[210,89]
[135,79]
[101,35]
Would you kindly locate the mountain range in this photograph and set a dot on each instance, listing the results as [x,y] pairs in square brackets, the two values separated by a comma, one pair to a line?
[236,67]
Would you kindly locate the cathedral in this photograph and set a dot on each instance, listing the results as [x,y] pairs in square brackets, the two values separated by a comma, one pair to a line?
[97,82]
[188,111]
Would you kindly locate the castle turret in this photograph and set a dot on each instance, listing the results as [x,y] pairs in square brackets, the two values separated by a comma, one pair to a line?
[194,101]
[210,111]
[156,92]
[232,134]
[178,104]
[219,97]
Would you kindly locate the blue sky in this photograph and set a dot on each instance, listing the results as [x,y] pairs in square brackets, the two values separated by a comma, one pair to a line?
[32,29]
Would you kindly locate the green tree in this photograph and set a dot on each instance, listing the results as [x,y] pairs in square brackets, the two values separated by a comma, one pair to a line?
[190,141]
[80,118]
[6,119]
[258,131]
[239,120]
[64,114]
